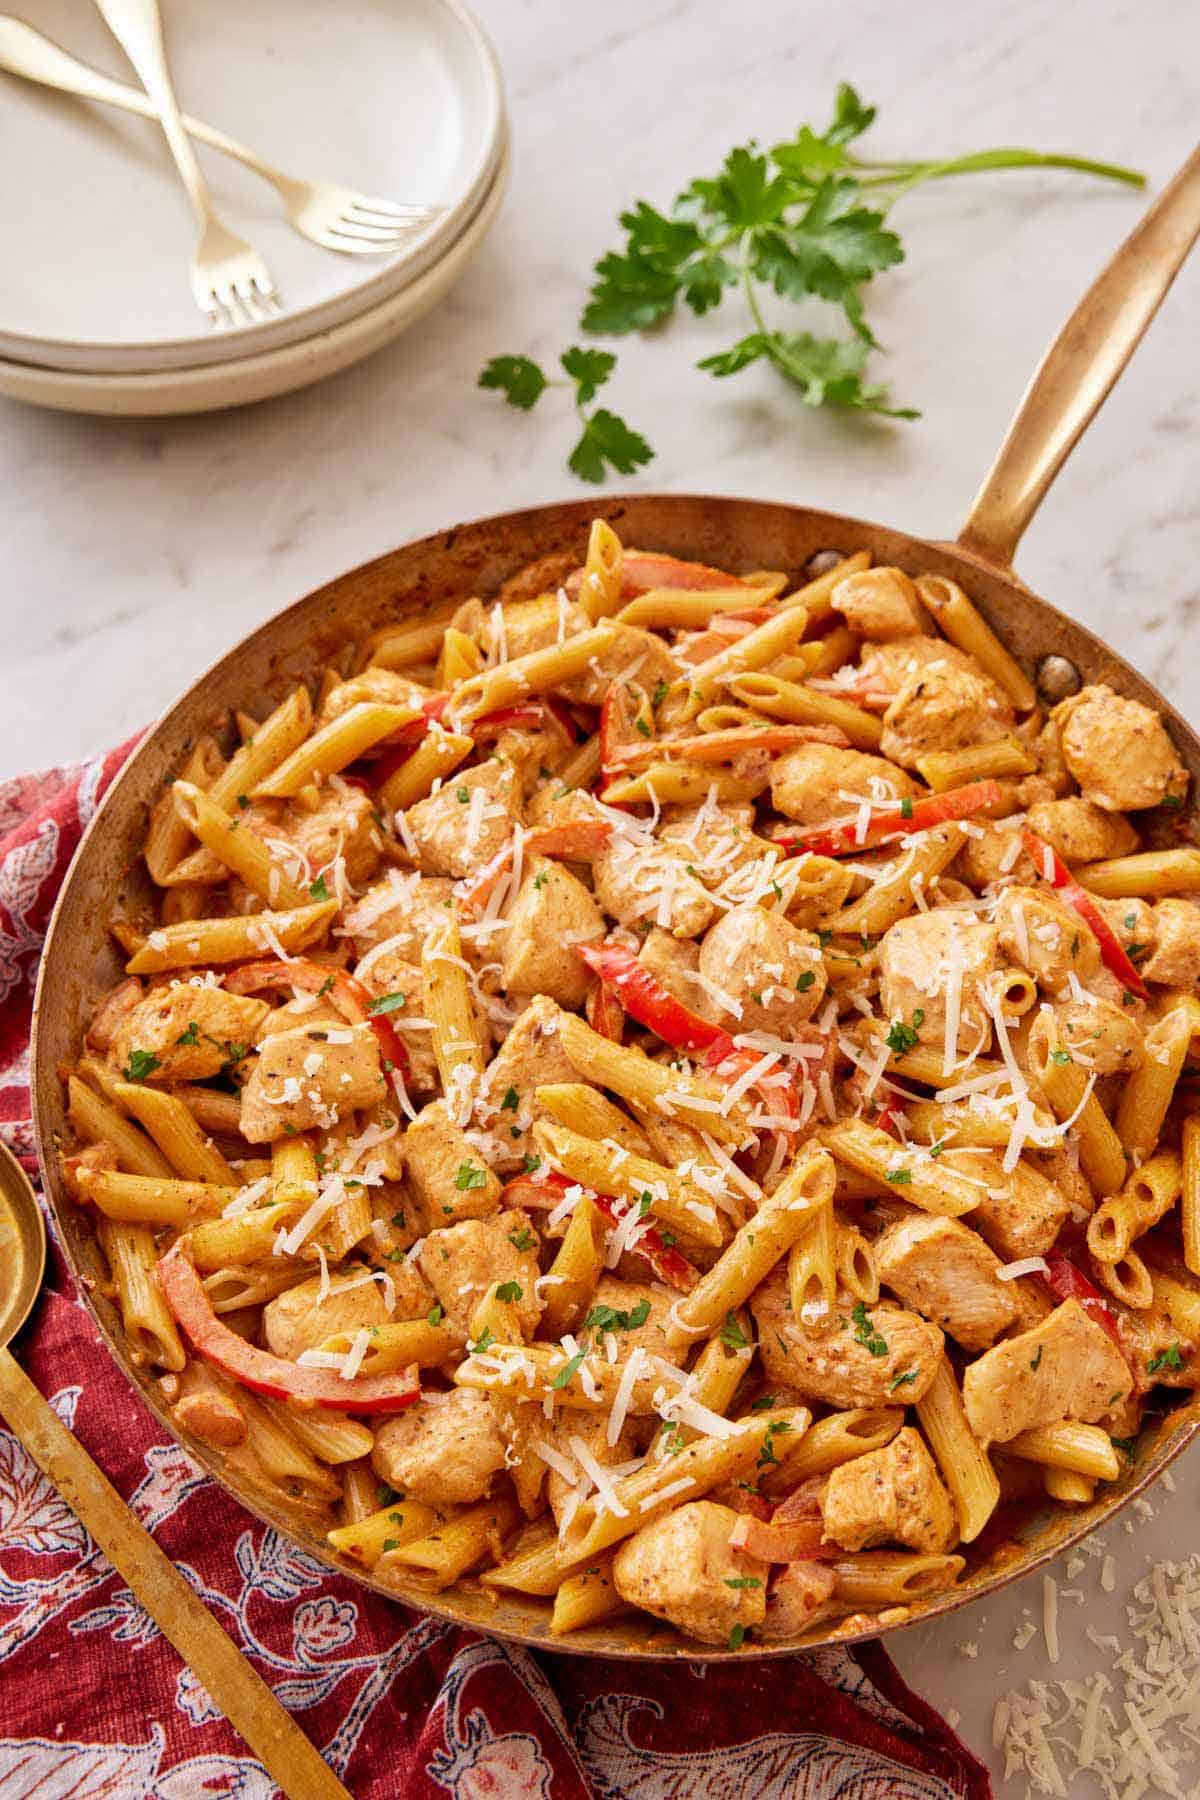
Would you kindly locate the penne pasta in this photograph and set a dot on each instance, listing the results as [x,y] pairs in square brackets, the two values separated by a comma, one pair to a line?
[1147,876]
[132,1256]
[237,848]
[437,755]
[236,939]
[540,672]
[962,1459]
[1189,1201]
[787,700]
[189,1152]
[365,1540]
[580,1107]
[695,1099]
[97,1121]
[1084,1449]
[893,896]
[457,1043]
[1065,1086]
[906,1171]
[960,620]
[167,837]
[999,757]
[1148,1091]
[586,1599]
[877,1578]
[570,1281]
[723,674]
[1150,1193]
[601,585]
[416,640]
[151,1199]
[662,1194]
[459,1544]
[813,1265]
[827,1444]
[334,745]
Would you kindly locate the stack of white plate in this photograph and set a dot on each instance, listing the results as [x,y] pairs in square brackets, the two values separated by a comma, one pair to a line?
[397,98]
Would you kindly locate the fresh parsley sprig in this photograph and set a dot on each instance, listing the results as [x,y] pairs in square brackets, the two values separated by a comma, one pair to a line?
[606,440]
[806,221]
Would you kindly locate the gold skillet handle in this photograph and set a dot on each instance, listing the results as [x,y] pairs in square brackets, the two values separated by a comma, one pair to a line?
[1080,367]
[275,1738]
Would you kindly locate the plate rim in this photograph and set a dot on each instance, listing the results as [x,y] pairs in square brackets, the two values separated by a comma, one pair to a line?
[97,357]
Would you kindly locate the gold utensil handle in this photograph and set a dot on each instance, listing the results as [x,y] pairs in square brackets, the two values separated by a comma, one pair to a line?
[1079,369]
[275,1738]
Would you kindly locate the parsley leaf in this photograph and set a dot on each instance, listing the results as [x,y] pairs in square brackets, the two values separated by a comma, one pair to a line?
[737,1637]
[531,1164]
[588,369]
[903,1380]
[509,1290]
[732,1335]
[805,980]
[898,1177]
[385,1003]
[568,1371]
[1169,1358]
[191,1035]
[511,1100]
[141,1063]
[318,890]
[435,1314]
[902,1038]
[743,1581]
[1060,1056]
[609,1318]
[482,1342]
[521,1240]
[518,379]
[469,1177]
[607,439]
[865,1332]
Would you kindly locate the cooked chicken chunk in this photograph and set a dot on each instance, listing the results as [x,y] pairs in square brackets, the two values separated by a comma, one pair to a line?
[190,1031]
[553,913]
[373,683]
[798,1594]
[680,1568]
[342,824]
[880,603]
[886,667]
[626,1297]
[402,907]
[298,1320]
[944,1270]
[529,1057]
[996,856]
[854,1358]
[636,880]
[940,707]
[463,1263]
[532,624]
[1045,937]
[590,1430]
[404,986]
[451,837]
[716,839]
[1175,959]
[636,655]
[674,962]
[921,957]
[1081,832]
[819,782]
[444,1451]
[1118,751]
[310,1076]
[1101,1035]
[1065,1368]
[1021,1213]
[448,1175]
[890,1496]
[773,971]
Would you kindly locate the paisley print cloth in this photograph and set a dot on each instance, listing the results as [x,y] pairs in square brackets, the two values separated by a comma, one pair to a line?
[93,1702]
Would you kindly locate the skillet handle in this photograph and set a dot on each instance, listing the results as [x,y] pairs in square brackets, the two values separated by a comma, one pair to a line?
[1081,366]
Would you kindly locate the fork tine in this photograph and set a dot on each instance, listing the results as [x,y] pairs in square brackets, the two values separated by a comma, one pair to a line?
[397,228]
[358,233]
[391,209]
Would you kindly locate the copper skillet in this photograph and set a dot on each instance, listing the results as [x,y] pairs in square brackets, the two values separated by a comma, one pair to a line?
[80,960]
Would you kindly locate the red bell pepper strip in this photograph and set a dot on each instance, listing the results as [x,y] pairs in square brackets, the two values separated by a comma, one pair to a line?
[264,1373]
[529,714]
[1066,1282]
[604,1013]
[781,1541]
[893,821]
[347,993]
[542,1193]
[668,1264]
[642,570]
[723,746]
[646,999]
[1051,868]
[575,840]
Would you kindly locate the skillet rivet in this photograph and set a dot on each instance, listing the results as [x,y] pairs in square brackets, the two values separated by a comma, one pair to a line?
[1057,678]
[822,562]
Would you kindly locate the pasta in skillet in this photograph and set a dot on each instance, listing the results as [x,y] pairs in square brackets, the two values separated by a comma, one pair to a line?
[662,1090]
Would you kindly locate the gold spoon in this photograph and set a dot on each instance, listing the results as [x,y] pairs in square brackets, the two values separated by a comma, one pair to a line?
[275,1738]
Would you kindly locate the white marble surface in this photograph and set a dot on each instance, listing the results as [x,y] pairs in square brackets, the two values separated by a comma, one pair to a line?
[133,553]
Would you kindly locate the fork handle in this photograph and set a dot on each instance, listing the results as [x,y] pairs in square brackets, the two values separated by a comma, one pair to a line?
[25,52]
[137,27]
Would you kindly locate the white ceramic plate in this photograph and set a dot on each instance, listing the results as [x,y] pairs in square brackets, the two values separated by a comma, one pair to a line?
[260,377]
[399,98]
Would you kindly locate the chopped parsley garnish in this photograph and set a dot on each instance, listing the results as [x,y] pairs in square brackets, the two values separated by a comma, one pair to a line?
[1131,921]
[902,1038]
[1126,1446]
[906,809]
[645,1202]
[385,1003]
[1169,1358]
[191,1035]
[387,1495]
[865,1332]
[765,1402]
[898,1177]
[483,1342]
[469,1177]
[510,1101]
[903,1380]
[805,980]
[509,1291]
[1036,1362]
[541,878]
[660,693]
[325,987]
[521,1240]
[435,1315]
[1060,1056]
[737,1637]
[569,1370]
[732,1335]
[776,1428]
[609,1318]
[640,725]
[243,801]
[743,1581]
[390,1544]
[531,1163]
[318,890]
[141,1063]
[462,795]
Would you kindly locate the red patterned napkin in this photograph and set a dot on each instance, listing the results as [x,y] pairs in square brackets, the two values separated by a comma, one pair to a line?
[93,1702]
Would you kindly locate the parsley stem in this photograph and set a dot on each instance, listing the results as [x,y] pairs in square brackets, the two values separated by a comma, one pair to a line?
[907,175]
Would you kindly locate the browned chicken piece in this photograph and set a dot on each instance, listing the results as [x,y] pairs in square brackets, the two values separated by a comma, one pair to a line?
[192,1032]
[854,1358]
[371,684]
[553,914]
[880,603]
[111,1012]
[650,881]
[534,754]
[674,962]
[945,1271]
[1080,831]
[1021,1213]
[1065,1368]
[798,1596]
[887,667]
[1155,1348]
[589,1429]
[299,1320]
[1175,958]
[1101,1035]
[681,1568]
[1045,937]
[451,835]
[633,655]
[811,784]
[311,1076]
[996,856]
[890,1496]
[1118,751]
[404,985]
[918,959]
[625,1297]
[717,839]
[532,624]
[321,1016]
[449,1176]
[304,841]
[445,1451]
[772,971]
[530,1056]
[211,1415]
[402,907]
[465,1261]
[940,707]
[545,575]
